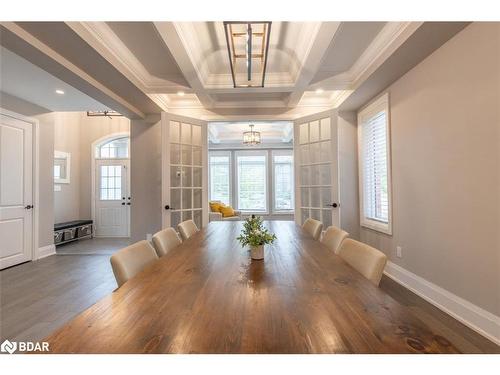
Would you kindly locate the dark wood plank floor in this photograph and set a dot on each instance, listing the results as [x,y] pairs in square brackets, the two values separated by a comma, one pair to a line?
[36,298]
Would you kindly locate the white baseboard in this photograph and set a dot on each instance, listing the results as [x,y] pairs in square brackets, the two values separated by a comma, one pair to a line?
[474,317]
[46,251]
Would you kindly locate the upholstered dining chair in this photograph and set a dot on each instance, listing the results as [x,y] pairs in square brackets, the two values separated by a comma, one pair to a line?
[367,260]
[187,229]
[129,261]
[333,238]
[165,240]
[313,227]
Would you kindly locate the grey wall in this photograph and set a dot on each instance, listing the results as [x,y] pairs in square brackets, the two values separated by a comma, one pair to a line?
[67,139]
[145,165]
[348,173]
[445,168]
[45,158]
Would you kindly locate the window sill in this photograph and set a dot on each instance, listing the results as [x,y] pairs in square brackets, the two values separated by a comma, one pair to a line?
[377,226]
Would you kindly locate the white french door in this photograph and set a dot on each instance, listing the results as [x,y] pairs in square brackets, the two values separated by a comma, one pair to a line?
[316,169]
[112,197]
[16,191]
[184,176]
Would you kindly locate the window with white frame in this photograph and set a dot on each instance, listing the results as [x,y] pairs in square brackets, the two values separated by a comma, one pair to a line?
[115,148]
[220,176]
[375,166]
[251,187]
[283,182]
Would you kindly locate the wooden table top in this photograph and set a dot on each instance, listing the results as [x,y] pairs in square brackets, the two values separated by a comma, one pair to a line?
[207,296]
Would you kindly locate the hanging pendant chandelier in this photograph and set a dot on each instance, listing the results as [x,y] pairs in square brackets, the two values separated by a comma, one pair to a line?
[251,137]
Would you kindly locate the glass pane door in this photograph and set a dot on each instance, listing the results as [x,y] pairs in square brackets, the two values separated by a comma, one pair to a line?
[185,184]
[316,151]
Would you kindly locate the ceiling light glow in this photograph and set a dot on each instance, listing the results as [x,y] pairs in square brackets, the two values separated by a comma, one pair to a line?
[60,92]
[319,91]
[181,93]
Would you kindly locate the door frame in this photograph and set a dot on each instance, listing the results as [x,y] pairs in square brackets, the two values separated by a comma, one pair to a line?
[93,172]
[35,139]
[333,114]
[165,163]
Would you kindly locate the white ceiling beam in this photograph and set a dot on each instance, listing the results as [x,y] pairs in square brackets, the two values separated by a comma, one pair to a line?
[312,62]
[173,41]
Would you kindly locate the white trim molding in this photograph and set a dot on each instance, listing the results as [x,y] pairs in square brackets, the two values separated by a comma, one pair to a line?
[474,317]
[46,251]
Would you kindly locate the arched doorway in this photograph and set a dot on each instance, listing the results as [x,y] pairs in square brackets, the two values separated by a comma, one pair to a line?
[111,198]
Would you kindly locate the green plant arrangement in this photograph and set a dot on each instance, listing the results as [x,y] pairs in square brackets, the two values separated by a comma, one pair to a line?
[255,235]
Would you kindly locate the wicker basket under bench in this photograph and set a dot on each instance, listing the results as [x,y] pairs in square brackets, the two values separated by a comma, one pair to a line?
[73,231]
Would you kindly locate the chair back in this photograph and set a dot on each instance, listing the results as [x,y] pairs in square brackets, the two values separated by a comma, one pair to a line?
[367,260]
[187,229]
[333,237]
[313,227]
[127,262]
[165,240]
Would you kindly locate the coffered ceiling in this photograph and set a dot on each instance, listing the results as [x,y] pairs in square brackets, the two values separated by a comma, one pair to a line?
[184,67]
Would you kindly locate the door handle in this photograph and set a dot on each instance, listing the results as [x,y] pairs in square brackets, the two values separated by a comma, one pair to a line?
[123,203]
[128,203]
[334,205]
[167,207]
[29,207]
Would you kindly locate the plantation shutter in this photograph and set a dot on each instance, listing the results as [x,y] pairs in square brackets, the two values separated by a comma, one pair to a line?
[374,154]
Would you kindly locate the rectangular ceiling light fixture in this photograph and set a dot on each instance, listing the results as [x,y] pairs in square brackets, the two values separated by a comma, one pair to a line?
[247,47]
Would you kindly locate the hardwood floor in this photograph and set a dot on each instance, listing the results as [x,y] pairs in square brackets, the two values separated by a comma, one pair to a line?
[36,298]
[464,338]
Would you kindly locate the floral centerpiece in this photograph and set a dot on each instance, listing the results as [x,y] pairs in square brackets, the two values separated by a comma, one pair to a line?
[255,235]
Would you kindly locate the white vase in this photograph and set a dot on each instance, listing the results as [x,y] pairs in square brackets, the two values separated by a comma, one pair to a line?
[257,252]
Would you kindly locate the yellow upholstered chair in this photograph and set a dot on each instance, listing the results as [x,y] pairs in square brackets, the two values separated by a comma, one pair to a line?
[333,238]
[367,260]
[127,262]
[313,227]
[165,240]
[187,229]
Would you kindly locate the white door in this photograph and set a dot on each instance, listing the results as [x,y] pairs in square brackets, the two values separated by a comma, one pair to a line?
[184,177]
[16,191]
[316,169]
[112,198]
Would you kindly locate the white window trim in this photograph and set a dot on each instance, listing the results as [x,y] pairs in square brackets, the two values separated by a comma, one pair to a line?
[221,153]
[267,190]
[382,103]
[288,152]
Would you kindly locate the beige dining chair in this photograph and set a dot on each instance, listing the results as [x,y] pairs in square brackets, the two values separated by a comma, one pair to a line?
[127,262]
[313,227]
[333,238]
[187,229]
[165,240]
[367,260]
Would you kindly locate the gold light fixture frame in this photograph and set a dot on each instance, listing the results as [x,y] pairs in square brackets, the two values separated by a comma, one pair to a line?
[249,55]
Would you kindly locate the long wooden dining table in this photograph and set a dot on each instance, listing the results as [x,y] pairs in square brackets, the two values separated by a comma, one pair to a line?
[208,296]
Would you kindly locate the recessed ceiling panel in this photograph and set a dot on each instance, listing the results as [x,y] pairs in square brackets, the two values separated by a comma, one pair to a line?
[350,41]
[142,39]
